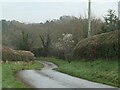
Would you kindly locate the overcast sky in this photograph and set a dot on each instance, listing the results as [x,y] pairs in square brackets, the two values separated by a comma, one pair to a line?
[30,11]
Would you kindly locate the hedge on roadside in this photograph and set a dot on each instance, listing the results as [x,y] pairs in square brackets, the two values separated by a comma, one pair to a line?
[99,46]
[9,54]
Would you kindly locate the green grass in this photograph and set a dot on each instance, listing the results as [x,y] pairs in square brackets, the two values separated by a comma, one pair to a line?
[98,71]
[9,70]
[0,76]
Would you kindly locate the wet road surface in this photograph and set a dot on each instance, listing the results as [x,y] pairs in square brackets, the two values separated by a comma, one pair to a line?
[48,78]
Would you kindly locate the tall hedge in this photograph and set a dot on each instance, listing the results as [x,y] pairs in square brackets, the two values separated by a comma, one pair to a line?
[99,46]
[16,55]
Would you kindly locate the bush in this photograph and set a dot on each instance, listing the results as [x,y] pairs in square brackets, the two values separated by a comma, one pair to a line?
[64,46]
[99,46]
[40,52]
[13,55]
[57,53]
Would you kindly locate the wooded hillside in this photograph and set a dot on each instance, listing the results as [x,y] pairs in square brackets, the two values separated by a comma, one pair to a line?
[12,30]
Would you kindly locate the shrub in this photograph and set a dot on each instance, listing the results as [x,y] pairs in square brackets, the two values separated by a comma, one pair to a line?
[64,46]
[26,55]
[40,52]
[99,46]
[13,55]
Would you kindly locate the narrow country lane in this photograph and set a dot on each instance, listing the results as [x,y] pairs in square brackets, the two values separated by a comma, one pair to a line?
[49,78]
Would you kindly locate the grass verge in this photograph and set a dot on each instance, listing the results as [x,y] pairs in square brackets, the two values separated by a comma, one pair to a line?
[9,70]
[101,71]
[0,76]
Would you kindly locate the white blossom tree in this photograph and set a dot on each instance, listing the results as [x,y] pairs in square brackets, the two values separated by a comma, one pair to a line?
[65,44]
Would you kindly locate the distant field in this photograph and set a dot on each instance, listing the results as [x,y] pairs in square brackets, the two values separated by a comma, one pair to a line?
[99,70]
[8,73]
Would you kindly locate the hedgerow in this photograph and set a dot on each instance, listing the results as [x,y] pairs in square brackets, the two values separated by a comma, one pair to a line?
[99,46]
[9,54]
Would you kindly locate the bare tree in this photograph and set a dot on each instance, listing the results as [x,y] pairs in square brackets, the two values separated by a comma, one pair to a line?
[45,43]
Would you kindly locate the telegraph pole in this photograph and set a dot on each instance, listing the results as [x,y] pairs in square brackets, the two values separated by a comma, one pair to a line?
[119,10]
[89,18]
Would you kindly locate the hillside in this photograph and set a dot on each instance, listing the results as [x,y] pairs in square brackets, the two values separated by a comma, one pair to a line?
[12,30]
[104,45]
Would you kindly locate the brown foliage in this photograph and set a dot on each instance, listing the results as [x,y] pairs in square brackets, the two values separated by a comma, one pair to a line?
[11,54]
[99,46]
